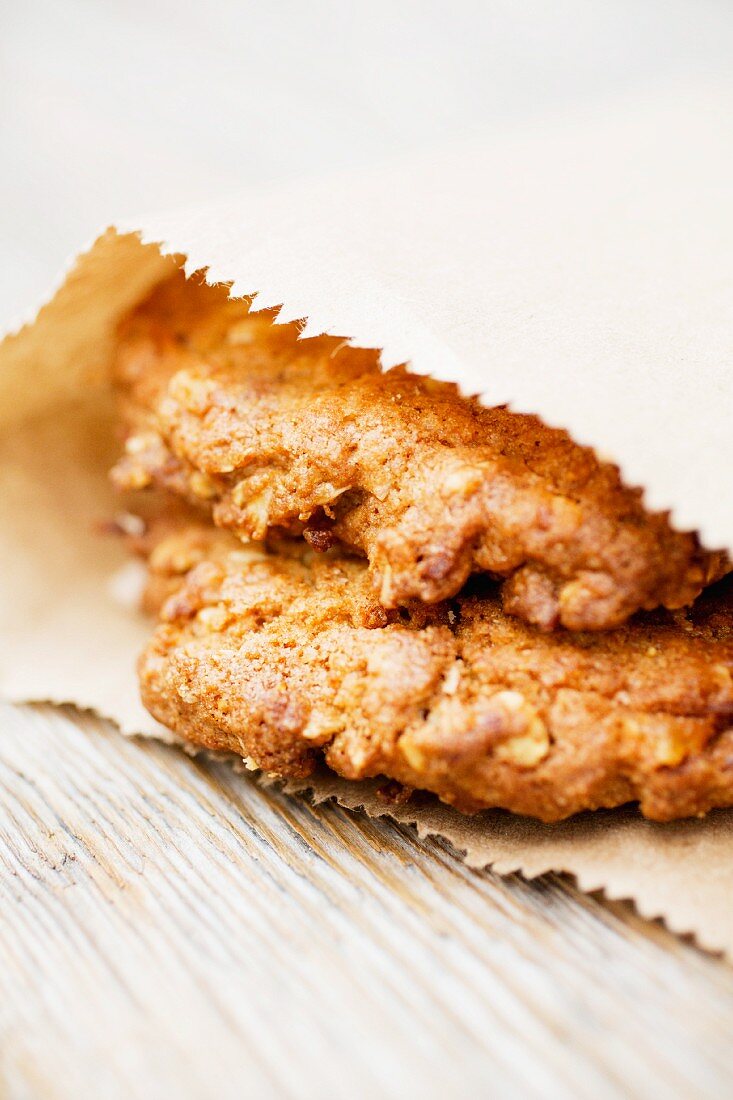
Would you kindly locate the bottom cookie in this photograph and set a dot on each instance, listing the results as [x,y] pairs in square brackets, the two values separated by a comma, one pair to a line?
[284,656]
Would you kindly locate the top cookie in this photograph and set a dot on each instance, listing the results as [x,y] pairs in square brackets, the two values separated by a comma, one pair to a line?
[309,436]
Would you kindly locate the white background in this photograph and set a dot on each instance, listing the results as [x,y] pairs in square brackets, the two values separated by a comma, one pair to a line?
[112,106]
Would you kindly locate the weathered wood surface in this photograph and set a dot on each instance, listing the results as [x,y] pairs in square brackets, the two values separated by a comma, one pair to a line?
[168,928]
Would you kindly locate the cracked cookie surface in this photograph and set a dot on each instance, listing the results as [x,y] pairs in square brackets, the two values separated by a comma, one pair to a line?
[267,432]
[287,658]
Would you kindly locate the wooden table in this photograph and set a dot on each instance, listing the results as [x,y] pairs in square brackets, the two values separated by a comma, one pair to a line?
[169,928]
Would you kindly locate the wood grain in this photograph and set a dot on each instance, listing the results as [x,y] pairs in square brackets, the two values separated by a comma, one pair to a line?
[170,928]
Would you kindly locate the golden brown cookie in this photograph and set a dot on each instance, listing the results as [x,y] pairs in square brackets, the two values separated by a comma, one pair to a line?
[287,657]
[265,432]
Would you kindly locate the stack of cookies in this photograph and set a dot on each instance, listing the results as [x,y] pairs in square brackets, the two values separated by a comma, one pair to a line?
[368,571]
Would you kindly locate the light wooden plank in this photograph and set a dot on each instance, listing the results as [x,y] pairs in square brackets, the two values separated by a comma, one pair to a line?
[168,927]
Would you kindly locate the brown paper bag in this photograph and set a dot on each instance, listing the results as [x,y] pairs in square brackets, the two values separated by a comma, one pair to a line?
[583,273]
